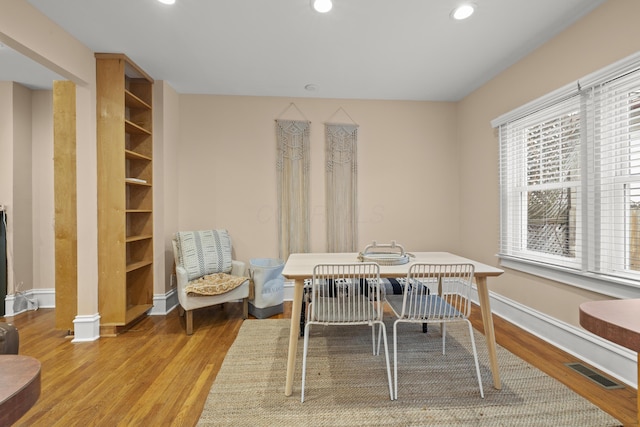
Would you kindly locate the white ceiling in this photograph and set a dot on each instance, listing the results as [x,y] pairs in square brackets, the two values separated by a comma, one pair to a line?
[362,49]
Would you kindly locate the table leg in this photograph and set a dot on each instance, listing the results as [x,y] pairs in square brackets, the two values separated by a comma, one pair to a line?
[489,333]
[294,334]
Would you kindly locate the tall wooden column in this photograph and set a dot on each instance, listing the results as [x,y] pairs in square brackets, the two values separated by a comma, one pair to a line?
[64,181]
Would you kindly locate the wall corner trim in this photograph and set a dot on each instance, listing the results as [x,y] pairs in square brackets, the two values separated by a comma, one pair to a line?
[86,328]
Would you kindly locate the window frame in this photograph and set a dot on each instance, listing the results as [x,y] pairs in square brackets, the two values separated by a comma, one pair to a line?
[587,273]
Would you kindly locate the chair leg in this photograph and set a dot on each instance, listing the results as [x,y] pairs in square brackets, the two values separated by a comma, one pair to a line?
[395,360]
[443,328]
[386,356]
[373,338]
[475,357]
[304,359]
[245,308]
[180,310]
[189,322]
[303,313]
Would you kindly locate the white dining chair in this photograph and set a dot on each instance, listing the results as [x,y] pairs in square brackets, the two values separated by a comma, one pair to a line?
[434,293]
[346,294]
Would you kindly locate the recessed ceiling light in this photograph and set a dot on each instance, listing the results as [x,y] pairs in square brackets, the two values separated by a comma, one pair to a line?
[167,1]
[322,6]
[463,11]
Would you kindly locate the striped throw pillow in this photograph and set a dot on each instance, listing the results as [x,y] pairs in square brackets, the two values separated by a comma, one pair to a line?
[204,252]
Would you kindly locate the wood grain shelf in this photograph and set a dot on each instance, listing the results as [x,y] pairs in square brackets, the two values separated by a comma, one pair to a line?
[142,184]
[137,265]
[131,127]
[129,154]
[138,238]
[132,101]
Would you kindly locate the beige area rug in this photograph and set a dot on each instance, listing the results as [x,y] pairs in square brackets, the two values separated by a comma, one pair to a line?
[347,385]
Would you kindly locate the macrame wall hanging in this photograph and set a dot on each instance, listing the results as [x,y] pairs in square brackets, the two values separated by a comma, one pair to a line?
[293,185]
[341,187]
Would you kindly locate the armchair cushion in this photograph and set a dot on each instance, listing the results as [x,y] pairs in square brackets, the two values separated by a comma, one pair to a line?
[214,284]
[204,252]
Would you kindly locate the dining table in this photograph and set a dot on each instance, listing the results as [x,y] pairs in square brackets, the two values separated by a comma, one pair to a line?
[617,321]
[299,266]
[19,386]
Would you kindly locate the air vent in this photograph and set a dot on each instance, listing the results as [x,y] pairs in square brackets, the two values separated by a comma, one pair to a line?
[597,378]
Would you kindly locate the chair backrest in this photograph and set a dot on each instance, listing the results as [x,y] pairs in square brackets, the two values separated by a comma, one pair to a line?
[346,293]
[437,291]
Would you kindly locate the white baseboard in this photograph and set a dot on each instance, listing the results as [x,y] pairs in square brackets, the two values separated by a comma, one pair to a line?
[164,303]
[288,290]
[45,298]
[610,358]
[8,306]
[86,328]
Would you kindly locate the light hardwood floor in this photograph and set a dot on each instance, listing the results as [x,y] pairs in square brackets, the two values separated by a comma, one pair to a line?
[155,375]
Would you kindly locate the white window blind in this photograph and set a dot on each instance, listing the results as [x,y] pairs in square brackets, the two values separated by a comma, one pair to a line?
[570,183]
[540,182]
[614,147]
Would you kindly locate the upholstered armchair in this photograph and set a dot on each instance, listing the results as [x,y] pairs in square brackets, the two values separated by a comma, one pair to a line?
[206,273]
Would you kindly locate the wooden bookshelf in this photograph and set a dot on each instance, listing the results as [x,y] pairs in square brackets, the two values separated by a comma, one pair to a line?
[125,192]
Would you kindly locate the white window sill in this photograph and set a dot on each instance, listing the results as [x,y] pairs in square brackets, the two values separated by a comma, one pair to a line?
[605,285]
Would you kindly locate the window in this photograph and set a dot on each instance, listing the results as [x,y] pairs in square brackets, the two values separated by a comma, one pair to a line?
[570,183]
[614,109]
[540,184]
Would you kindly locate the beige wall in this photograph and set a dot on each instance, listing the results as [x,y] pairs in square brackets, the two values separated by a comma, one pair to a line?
[42,202]
[6,162]
[19,212]
[609,33]
[408,170]
[165,181]
[15,190]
